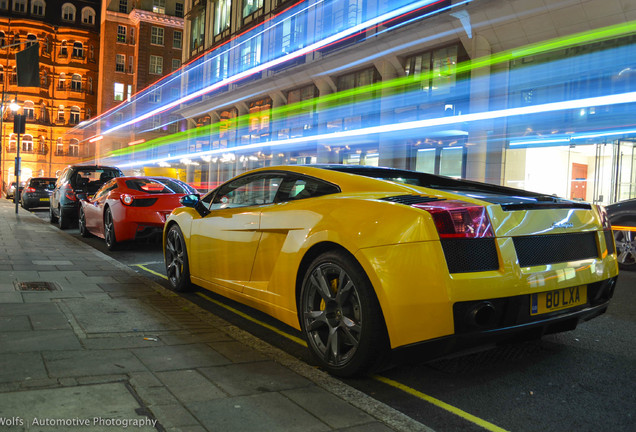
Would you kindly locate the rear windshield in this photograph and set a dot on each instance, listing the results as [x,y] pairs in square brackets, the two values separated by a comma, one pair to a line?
[43,183]
[88,175]
[158,186]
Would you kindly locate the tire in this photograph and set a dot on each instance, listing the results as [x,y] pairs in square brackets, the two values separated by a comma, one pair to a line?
[341,317]
[62,220]
[109,230]
[626,249]
[52,217]
[82,224]
[176,258]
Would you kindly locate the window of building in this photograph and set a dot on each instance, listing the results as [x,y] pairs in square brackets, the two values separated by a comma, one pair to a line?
[130,91]
[76,83]
[59,147]
[68,12]
[1,74]
[62,81]
[38,7]
[120,63]
[27,110]
[156,65]
[251,52]
[78,50]
[197,30]
[178,10]
[156,35]
[121,33]
[302,115]
[155,96]
[251,6]
[4,4]
[220,65]
[20,6]
[3,39]
[159,6]
[42,149]
[88,113]
[75,115]
[88,15]
[73,147]
[173,124]
[156,122]
[60,114]
[176,64]
[119,91]
[177,39]
[132,36]
[222,16]
[123,6]
[31,40]
[44,80]
[16,43]
[89,84]
[27,143]
[43,113]
[63,49]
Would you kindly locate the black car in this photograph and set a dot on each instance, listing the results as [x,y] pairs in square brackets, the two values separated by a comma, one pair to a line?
[10,192]
[37,192]
[82,180]
[622,216]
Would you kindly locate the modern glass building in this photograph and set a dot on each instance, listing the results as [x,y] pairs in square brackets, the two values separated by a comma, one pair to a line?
[530,94]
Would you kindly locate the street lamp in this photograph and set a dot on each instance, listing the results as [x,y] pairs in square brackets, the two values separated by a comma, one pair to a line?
[19,121]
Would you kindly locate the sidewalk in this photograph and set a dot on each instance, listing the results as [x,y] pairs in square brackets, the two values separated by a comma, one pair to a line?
[102,348]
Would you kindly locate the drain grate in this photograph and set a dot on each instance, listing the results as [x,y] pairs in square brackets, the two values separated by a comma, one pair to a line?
[36,286]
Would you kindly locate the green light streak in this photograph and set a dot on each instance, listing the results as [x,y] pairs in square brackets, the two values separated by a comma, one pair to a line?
[368,92]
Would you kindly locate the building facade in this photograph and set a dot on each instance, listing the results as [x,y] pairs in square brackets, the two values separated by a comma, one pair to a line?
[68,37]
[522,93]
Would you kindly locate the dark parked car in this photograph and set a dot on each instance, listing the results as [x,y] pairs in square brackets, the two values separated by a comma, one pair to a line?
[10,192]
[622,216]
[82,180]
[37,192]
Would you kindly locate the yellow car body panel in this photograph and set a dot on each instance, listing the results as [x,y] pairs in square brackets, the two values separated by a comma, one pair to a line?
[398,246]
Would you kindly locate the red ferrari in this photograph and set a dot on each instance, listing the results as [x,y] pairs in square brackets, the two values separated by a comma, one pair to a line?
[130,208]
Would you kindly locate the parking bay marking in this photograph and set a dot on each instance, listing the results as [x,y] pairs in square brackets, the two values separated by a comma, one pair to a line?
[411,391]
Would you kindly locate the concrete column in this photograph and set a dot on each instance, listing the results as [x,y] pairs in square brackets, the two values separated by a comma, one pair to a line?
[476,144]
[325,86]
[393,152]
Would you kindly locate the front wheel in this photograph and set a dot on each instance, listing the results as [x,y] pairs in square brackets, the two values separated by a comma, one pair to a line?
[626,249]
[341,317]
[109,230]
[176,257]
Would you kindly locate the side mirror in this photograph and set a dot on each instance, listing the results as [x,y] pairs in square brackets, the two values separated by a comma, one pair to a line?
[193,201]
[82,196]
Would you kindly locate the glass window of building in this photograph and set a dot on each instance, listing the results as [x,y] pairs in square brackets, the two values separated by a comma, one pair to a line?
[89,85]
[60,114]
[156,35]
[88,15]
[63,49]
[76,83]
[154,96]
[156,65]
[44,81]
[27,143]
[159,6]
[43,113]
[123,6]
[19,6]
[121,33]
[220,65]
[176,64]
[27,110]
[251,6]
[120,63]
[68,12]
[73,147]
[3,39]
[302,111]
[75,115]
[251,52]
[177,39]
[59,147]
[131,63]
[62,80]
[38,7]
[178,9]
[132,36]
[119,91]
[222,16]
[352,117]
[1,74]
[78,50]
[4,4]
[197,30]
[31,40]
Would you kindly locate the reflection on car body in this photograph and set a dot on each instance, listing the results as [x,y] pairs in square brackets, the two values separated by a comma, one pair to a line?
[371,261]
[622,215]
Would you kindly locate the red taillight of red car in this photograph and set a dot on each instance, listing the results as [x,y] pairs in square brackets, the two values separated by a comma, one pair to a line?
[458,219]
[68,192]
[29,189]
[126,199]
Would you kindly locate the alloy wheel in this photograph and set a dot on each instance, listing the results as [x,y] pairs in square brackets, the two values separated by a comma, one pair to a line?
[626,249]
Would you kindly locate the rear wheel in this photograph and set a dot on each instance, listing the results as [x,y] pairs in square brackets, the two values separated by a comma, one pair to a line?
[341,317]
[176,256]
[82,224]
[52,217]
[626,249]
[62,219]
[109,230]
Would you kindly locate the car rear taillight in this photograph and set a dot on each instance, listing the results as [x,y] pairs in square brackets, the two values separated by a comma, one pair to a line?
[126,199]
[459,219]
[29,189]
[605,222]
[69,193]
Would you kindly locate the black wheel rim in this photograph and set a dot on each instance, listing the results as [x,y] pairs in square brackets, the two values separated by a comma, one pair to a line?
[60,221]
[174,257]
[82,222]
[625,247]
[332,314]
[109,229]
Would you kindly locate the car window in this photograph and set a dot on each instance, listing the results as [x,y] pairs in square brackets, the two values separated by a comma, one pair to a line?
[109,186]
[48,184]
[295,188]
[245,191]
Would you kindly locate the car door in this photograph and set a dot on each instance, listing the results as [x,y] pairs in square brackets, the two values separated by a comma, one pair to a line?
[94,209]
[223,243]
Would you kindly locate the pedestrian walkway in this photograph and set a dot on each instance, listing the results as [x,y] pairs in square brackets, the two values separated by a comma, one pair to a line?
[87,344]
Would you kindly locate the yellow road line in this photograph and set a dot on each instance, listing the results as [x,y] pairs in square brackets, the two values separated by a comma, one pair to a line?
[438,403]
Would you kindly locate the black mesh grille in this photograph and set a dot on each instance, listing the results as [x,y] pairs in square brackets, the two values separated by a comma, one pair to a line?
[555,248]
[609,242]
[143,202]
[411,199]
[470,255]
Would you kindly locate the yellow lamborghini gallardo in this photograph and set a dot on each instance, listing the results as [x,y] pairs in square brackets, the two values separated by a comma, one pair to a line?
[372,262]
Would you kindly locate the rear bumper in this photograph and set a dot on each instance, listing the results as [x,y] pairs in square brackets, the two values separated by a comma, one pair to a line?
[36,200]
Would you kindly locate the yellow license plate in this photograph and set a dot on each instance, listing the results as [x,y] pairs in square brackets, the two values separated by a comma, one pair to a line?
[551,301]
[45,199]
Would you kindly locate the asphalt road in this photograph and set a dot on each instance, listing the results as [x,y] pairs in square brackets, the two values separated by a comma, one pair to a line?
[582,380]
